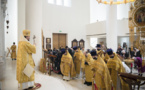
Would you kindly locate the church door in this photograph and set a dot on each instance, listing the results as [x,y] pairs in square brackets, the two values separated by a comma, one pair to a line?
[59,40]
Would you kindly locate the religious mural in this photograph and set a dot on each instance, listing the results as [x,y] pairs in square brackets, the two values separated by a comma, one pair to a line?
[140,16]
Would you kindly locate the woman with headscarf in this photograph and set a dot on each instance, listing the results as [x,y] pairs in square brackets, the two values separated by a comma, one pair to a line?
[138,61]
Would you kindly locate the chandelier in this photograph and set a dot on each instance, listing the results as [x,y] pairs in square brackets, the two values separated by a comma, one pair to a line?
[111,2]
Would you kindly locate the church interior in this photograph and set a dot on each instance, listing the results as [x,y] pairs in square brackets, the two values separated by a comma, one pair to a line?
[72,44]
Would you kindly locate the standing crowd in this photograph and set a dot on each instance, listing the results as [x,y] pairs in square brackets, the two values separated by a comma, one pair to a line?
[98,67]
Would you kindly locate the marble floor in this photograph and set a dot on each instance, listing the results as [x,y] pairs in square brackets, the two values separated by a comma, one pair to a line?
[53,82]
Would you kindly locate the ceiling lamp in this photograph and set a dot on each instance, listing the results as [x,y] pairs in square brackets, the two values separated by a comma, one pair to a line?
[112,2]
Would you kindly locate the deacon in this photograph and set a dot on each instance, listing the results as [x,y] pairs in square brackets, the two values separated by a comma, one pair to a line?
[101,75]
[88,69]
[115,67]
[13,49]
[67,66]
[24,57]
[78,58]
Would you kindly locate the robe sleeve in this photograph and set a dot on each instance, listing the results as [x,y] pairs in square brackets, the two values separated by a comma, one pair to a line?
[30,48]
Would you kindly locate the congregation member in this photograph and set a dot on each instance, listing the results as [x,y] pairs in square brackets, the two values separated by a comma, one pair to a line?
[115,67]
[131,53]
[125,54]
[58,61]
[67,66]
[73,52]
[139,62]
[101,75]
[13,53]
[137,53]
[78,58]
[25,61]
[119,50]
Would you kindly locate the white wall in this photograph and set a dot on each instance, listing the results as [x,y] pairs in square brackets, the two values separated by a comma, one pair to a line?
[122,27]
[12,17]
[21,16]
[98,11]
[34,24]
[100,28]
[122,10]
[71,20]
[96,28]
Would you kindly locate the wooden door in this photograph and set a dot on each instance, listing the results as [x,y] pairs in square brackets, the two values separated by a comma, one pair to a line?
[59,40]
[55,41]
[62,40]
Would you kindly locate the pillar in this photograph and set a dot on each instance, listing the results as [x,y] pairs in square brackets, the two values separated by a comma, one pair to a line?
[21,17]
[111,27]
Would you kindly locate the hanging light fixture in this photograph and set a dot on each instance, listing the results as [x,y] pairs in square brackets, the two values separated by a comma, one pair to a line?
[112,2]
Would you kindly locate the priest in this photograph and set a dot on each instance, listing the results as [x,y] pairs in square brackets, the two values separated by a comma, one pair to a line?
[67,66]
[24,57]
[13,53]
[115,67]
[99,51]
[101,75]
[78,58]
[88,69]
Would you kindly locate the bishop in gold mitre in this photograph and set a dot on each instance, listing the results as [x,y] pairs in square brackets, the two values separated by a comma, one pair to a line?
[13,53]
[24,56]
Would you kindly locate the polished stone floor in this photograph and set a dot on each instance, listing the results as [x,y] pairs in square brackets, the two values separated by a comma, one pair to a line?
[53,82]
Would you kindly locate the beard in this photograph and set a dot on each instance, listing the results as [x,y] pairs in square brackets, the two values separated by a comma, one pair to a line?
[98,49]
[95,58]
[111,56]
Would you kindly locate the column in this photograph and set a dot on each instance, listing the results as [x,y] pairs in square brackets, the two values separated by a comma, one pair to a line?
[2,33]
[21,17]
[111,27]
[2,41]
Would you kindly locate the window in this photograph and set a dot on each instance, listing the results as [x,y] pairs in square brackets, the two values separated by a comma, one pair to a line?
[67,3]
[51,1]
[59,2]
